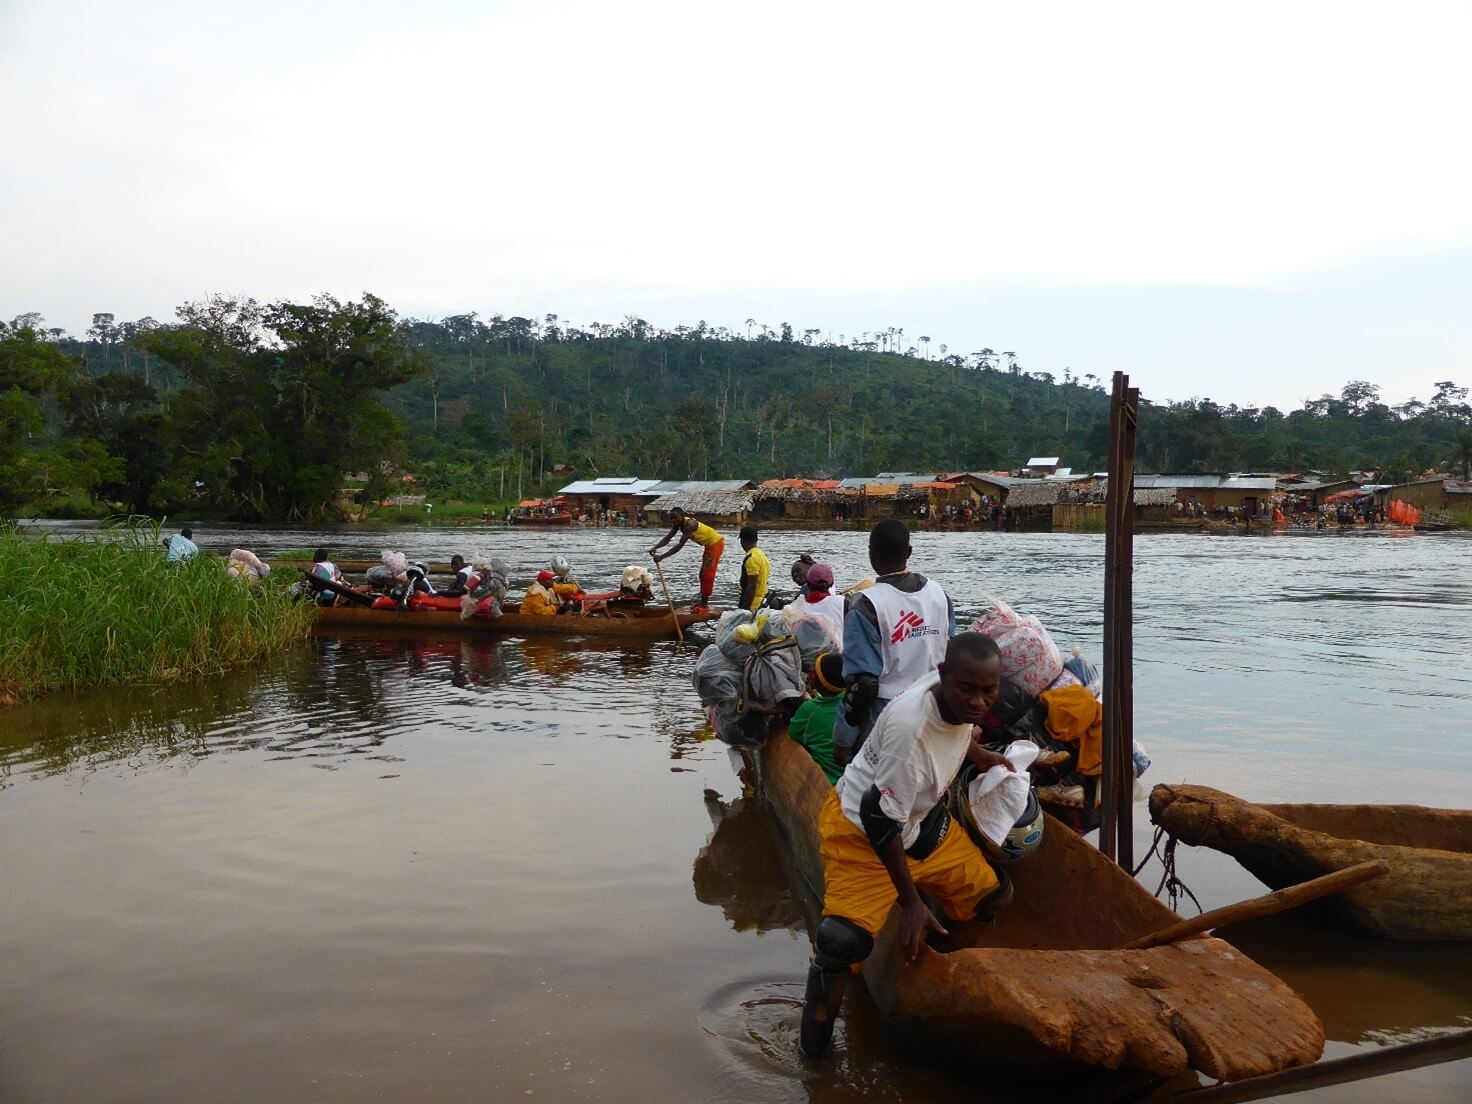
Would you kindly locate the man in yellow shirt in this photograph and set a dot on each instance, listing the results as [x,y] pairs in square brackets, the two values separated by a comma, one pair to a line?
[756,569]
[702,534]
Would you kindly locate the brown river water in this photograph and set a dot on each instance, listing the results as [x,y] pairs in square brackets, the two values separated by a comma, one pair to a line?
[476,869]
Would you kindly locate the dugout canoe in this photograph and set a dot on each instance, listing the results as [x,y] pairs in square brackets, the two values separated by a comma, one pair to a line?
[648,623]
[1426,896]
[1047,988]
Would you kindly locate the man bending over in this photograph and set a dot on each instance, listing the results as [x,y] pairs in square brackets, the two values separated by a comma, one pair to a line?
[886,834]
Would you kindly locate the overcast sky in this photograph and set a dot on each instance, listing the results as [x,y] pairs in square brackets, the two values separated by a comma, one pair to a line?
[1248,202]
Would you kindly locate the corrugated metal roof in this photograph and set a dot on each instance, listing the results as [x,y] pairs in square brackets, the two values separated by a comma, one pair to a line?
[890,482]
[670,486]
[610,485]
[1043,462]
[1208,482]
[1457,486]
[982,477]
[1248,483]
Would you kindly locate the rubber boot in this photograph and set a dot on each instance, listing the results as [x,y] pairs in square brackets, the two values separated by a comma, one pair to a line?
[820,1010]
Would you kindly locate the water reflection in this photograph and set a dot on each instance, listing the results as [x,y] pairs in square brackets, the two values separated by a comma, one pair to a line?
[739,869]
[1366,990]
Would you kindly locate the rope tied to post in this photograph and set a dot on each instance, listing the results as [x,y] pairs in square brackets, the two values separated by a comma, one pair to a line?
[1170,882]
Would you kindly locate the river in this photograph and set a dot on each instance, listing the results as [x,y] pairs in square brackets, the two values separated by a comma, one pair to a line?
[455,869]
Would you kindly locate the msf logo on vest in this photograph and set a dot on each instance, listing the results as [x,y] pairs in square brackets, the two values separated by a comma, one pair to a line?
[909,626]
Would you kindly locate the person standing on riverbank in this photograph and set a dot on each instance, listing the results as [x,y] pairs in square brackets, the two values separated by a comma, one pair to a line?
[711,543]
[894,634]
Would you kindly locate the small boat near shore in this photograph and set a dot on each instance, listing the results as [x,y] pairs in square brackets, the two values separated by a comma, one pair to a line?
[635,622]
[1426,896]
[1048,987]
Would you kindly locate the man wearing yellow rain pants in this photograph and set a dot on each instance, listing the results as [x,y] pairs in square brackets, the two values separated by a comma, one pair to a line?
[886,834]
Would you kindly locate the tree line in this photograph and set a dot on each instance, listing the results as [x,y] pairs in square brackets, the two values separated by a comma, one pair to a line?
[262,411]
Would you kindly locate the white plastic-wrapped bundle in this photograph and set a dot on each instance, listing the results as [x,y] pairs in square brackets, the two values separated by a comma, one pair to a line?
[247,565]
[396,562]
[814,630]
[1030,659]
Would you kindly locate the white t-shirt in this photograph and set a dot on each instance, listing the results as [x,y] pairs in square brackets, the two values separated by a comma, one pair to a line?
[911,755]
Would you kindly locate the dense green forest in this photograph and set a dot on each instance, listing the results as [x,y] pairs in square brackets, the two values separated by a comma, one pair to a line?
[251,411]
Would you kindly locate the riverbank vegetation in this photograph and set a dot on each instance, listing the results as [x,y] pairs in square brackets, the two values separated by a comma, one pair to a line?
[90,612]
[287,411]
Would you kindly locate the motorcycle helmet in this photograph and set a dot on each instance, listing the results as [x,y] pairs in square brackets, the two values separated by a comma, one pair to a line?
[560,567]
[1023,838]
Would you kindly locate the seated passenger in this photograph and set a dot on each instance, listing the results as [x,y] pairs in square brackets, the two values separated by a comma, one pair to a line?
[463,572]
[324,568]
[812,724]
[821,602]
[540,601]
[564,585]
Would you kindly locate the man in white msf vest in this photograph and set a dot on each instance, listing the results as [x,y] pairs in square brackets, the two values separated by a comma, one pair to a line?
[894,634]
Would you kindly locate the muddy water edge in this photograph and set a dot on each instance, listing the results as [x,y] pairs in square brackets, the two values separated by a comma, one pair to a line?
[453,868]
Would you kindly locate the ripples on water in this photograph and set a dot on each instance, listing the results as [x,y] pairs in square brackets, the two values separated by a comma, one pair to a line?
[468,867]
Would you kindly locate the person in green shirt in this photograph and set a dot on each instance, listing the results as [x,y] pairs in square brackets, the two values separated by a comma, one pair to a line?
[812,724]
[756,570]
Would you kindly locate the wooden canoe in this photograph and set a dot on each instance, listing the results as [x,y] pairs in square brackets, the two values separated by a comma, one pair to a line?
[1426,895]
[1047,987]
[355,567]
[649,623]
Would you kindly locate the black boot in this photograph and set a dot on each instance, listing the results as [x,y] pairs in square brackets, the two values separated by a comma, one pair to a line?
[820,1007]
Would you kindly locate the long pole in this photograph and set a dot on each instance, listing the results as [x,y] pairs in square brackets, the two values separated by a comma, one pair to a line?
[1269,903]
[1338,1071]
[674,614]
[1116,831]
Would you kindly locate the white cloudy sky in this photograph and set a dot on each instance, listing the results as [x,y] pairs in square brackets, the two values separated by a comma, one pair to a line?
[1252,202]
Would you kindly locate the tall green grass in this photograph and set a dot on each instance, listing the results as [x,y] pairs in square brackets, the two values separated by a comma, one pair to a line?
[89,612]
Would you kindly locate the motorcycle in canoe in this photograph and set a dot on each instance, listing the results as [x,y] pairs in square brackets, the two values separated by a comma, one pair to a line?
[1048,986]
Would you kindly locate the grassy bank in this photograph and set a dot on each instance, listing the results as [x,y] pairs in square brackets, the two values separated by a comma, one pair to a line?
[88,612]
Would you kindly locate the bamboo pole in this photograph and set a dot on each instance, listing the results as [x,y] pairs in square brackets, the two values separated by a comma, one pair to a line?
[1269,903]
[1337,1071]
[674,614]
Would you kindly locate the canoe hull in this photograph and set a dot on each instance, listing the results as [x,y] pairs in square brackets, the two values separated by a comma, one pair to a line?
[1426,896]
[644,624]
[1046,987]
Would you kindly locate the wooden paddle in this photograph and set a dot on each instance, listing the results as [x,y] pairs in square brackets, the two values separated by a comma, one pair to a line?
[674,614]
[1265,905]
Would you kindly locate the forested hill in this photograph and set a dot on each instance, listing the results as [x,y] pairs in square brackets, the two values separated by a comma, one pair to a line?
[701,403]
[260,411]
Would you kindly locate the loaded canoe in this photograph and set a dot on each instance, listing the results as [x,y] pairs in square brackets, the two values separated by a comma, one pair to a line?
[1427,894]
[648,623]
[1047,987]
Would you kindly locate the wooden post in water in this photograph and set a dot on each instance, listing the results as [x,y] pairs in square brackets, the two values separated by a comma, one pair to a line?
[1116,832]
